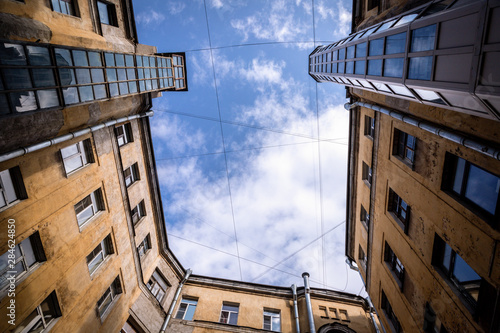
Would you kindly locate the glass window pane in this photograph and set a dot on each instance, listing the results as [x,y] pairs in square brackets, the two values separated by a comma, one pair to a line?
[17,78]
[29,255]
[95,59]
[123,88]
[190,312]
[405,19]
[70,95]
[375,67]
[43,77]
[350,52]
[67,76]
[47,98]
[393,67]
[483,188]
[12,54]
[360,67]
[113,89]
[110,59]
[83,76]
[138,59]
[341,54]
[420,68]
[429,96]
[80,58]
[97,75]
[23,101]
[349,68]
[395,43]
[361,50]
[401,90]
[103,12]
[381,87]
[233,319]
[181,311]
[63,57]
[423,39]
[131,74]
[111,73]
[385,26]
[129,60]
[132,87]
[463,272]
[99,91]
[459,176]
[120,60]
[376,47]
[122,76]
[38,56]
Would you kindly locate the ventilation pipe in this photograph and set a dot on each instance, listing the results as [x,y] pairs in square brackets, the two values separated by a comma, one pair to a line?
[295,308]
[432,128]
[66,137]
[174,302]
[307,292]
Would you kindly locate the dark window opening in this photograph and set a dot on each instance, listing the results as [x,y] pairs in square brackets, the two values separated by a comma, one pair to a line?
[400,209]
[389,313]
[107,13]
[404,146]
[395,265]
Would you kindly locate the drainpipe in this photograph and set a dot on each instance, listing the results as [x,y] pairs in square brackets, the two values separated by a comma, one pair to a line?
[295,308]
[431,128]
[307,292]
[66,137]
[174,302]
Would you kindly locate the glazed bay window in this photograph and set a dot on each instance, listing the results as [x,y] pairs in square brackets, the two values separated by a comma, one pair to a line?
[27,254]
[157,285]
[89,207]
[367,174]
[229,313]
[11,187]
[42,317]
[131,174]
[186,309]
[120,72]
[107,13]
[97,256]
[77,156]
[124,134]
[180,81]
[147,73]
[272,320]
[395,265]
[110,295]
[474,187]
[138,212]
[404,146]
[390,315]
[64,6]
[144,246]
[399,209]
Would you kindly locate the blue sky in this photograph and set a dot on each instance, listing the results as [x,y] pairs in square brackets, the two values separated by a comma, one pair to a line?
[276,189]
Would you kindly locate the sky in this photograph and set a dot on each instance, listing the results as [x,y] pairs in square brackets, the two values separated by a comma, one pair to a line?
[252,159]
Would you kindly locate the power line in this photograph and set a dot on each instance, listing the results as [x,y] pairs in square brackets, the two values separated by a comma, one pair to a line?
[258,44]
[222,136]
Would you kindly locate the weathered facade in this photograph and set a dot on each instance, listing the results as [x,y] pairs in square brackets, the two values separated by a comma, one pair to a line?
[424,173]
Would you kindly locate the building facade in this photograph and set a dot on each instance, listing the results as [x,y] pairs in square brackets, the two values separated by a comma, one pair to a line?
[424,160]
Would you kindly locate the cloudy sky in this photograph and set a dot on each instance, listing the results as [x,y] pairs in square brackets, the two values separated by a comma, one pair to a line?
[252,159]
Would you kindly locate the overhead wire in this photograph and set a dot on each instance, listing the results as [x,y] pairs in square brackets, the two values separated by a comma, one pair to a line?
[222,136]
[258,44]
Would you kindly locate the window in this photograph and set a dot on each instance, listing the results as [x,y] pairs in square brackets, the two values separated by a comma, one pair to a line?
[473,186]
[26,255]
[429,96]
[42,317]
[367,174]
[272,320]
[361,50]
[77,156]
[97,256]
[11,187]
[369,126]
[422,39]
[404,146]
[124,134]
[365,217]
[395,43]
[109,296]
[393,67]
[120,72]
[144,246]
[420,68]
[362,257]
[89,207]
[391,316]
[229,313]
[394,265]
[157,285]
[107,13]
[376,47]
[400,209]
[186,309]
[131,326]
[432,324]
[131,174]
[138,212]
[64,6]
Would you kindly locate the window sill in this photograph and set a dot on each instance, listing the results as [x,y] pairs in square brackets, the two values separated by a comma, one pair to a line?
[72,172]
[13,203]
[406,162]
[367,183]
[84,225]
[108,310]
[399,222]
[102,264]
[131,185]
[136,225]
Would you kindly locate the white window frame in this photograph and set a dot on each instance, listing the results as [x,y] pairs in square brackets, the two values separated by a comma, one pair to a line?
[81,154]
[138,212]
[125,136]
[104,249]
[155,286]
[133,175]
[40,318]
[269,315]
[184,307]
[93,206]
[230,313]
[144,246]
[111,294]
[8,193]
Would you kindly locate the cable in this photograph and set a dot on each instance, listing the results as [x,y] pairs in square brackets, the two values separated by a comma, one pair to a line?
[257,44]
[222,136]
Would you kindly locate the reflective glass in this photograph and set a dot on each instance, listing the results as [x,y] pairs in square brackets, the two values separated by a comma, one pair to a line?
[43,77]
[349,67]
[395,43]
[459,176]
[376,47]
[132,87]
[342,54]
[95,59]
[70,95]
[131,74]
[83,75]
[120,60]
[63,57]
[17,78]
[129,60]
[67,76]
[341,67]
[483,188]
[361,50]
[123,88]
[113,89]
[47,98]
[385,26]
[110,59]
[139,61]
[80,58]
[420,68]
[350,52]
[12,54]
[463,272]
[97,75]
[103,12]
[122,76]
[375,67]
[86,93]
[360,67]
[23,101]
[190,312]
[100,91]
[400,90]
[429,96]
[423,39]
[381,87]
[111,74]
[38,56]
[393,67]
[405,19]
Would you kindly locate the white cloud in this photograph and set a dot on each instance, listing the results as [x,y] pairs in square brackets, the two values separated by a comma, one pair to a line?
[263,72]
[150,17]
[175,8]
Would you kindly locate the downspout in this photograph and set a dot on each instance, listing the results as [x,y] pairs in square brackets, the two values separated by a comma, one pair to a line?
[307,293]
[66,137]
[174,302]
[432,128]
[295,308]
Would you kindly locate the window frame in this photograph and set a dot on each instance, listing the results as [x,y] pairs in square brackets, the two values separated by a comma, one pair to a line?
[154,281]
[40,316]
[84,152]
[401,146]
[184,306]
[16,187]
[96,203]
[138,213]
[144,246]
[364,217]
[230,313]
[271,314]
[112,17]
[395,265]
[72,7]
[106,249]
[367,175]
[133,175]
[113,292]
[363,260]
[389,314]
[396,207]
[126,136]
[369,126]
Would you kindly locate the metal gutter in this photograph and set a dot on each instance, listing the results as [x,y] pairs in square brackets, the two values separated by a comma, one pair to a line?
[295,308]
[66,137]
[174,302]
[307,293]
